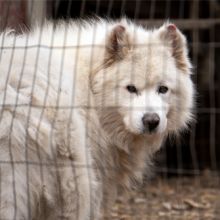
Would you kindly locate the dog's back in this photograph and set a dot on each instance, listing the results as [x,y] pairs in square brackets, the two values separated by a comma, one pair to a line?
[39,127]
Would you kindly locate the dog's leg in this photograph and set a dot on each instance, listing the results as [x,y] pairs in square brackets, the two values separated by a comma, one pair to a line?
[16,197]
[76,196]
[78,199]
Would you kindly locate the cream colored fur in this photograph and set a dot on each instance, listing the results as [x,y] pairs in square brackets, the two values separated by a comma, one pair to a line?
[70,132]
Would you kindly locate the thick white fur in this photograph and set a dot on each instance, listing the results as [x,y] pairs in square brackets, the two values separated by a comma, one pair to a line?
[70,132]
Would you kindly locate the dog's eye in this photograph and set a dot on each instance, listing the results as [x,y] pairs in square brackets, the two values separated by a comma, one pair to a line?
[162,89]
[132,89]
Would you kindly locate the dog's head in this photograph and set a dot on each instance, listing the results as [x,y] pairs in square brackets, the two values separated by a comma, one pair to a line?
[144,83]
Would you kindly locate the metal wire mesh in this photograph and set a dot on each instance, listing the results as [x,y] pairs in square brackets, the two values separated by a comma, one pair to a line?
[196,150]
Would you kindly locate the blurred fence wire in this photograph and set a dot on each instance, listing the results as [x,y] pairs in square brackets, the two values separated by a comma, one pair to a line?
[197,150]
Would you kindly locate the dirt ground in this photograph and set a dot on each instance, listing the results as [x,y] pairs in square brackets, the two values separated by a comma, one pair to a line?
[179,198]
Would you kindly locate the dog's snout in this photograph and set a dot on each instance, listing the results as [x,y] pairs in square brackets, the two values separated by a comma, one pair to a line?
[151,121]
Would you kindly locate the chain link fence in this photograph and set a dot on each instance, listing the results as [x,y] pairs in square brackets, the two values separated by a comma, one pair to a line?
[186,180]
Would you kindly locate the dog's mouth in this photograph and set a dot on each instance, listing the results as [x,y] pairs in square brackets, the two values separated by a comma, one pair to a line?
[149,132]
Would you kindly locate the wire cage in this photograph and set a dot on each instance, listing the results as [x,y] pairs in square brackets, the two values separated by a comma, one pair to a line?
[186,181]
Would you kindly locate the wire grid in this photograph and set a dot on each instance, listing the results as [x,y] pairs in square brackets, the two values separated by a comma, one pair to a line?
[188,160]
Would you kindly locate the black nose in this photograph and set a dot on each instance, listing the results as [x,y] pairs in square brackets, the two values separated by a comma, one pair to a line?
[151,121]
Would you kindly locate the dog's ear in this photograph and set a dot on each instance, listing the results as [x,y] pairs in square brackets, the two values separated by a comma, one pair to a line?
[175,40]
[117,42]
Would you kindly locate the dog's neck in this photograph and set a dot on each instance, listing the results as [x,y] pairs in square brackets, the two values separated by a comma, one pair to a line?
[130,154]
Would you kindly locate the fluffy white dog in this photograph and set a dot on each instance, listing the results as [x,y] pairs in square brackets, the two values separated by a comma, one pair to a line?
[83,107]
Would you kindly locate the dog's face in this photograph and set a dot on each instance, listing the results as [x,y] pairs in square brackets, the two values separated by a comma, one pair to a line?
[146,83]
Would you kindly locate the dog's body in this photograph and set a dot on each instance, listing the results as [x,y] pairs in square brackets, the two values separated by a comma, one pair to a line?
[83,113]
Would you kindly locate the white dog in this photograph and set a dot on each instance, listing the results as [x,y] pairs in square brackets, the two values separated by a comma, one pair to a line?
[83,108]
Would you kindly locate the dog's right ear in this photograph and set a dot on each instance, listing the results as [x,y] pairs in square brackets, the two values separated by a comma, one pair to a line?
[117,42]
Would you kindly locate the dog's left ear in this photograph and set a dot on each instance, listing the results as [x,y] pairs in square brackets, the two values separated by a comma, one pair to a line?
[117,42]
[175,40]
